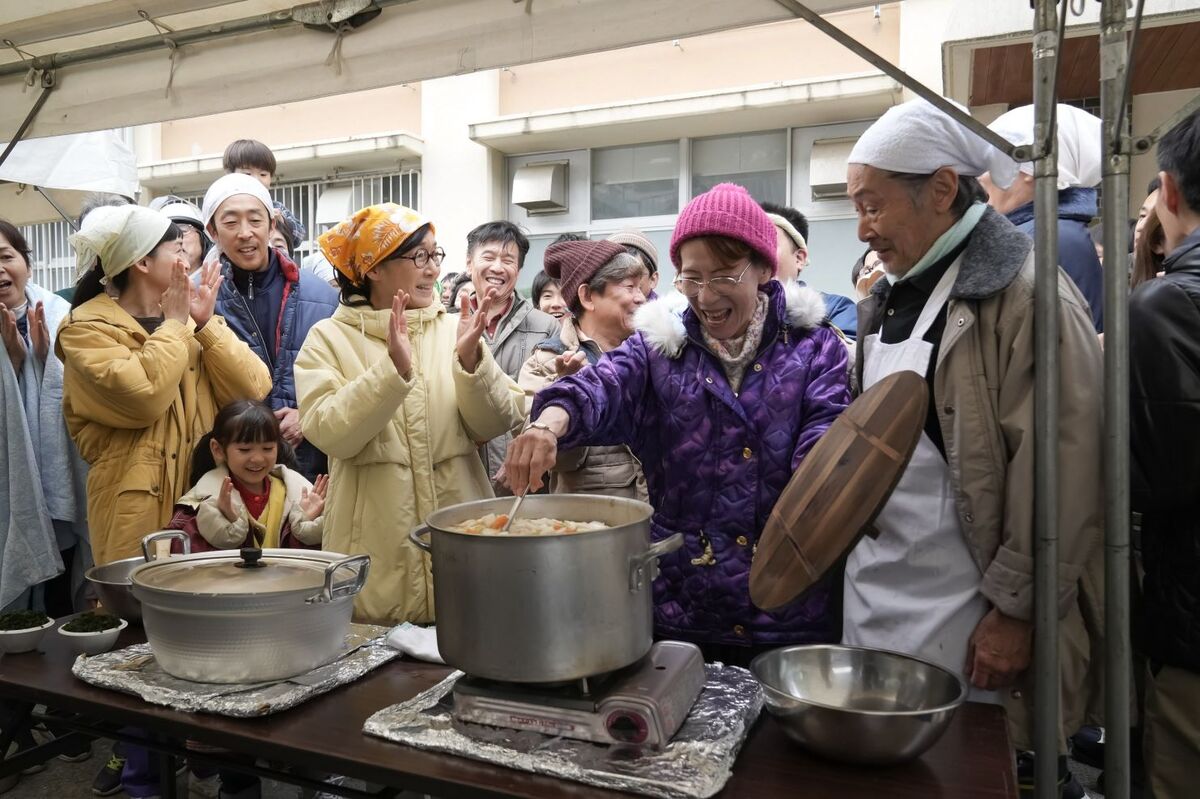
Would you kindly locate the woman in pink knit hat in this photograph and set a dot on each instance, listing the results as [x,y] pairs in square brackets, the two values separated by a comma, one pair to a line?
[720,406]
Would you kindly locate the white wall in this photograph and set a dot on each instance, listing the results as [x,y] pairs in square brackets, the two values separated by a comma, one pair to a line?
[922,31]
[458,175]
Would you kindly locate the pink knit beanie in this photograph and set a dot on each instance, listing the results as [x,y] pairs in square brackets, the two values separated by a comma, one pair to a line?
[728,210]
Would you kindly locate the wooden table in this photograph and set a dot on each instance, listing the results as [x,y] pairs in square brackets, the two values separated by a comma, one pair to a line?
[972,760]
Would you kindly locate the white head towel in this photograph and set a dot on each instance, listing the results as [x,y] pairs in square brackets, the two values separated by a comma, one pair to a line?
[119,236]
[1079,142]
[232,185]
[917,138]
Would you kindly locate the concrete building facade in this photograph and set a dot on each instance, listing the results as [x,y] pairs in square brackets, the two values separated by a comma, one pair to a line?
[595,143]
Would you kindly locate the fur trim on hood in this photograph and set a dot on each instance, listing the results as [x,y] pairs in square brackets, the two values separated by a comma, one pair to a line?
[661,324]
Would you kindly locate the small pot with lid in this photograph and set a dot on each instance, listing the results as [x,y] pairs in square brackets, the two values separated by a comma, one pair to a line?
[247,616]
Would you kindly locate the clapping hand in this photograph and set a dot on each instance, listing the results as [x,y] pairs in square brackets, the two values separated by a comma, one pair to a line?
[313,502]
[398,346]
[470,328]
[204,293]
[39,333]
[225,500]
[13,343]
[177,299]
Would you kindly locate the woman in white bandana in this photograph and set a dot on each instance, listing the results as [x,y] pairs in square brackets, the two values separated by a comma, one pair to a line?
[147,366]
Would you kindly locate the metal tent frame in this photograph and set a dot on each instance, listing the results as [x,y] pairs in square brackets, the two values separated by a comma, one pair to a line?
[1048,35]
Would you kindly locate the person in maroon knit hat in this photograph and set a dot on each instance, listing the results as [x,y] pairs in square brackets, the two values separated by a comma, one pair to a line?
[602,284]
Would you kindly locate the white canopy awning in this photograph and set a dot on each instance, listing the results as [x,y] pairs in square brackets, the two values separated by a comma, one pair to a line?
[275,59]
[66,168]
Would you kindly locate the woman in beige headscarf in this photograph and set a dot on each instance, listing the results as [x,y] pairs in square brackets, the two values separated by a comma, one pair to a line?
[147,365]
[397,392]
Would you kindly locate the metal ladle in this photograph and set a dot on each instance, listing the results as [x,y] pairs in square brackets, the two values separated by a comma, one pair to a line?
[512,512]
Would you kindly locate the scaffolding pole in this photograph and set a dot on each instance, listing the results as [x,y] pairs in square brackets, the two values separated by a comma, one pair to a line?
[1114,85]
[1046,395]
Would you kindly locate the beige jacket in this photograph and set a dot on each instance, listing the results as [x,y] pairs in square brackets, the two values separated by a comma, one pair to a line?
[585,470]
[983,393]
[398,450]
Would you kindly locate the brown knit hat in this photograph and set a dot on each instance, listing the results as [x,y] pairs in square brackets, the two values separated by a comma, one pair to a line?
[572,263]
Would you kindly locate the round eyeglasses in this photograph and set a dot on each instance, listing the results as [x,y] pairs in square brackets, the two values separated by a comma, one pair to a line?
[422,257]
[724,286]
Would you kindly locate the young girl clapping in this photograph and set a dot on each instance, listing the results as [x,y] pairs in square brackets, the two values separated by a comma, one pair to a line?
[242,493]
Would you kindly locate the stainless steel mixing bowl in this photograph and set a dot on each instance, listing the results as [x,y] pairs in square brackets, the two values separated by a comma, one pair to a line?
[864,706]
[114,589]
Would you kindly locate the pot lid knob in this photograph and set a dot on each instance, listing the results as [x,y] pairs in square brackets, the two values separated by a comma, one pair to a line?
[250,558]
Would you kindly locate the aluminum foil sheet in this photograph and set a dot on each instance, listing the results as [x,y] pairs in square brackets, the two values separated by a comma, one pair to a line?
[134,670]
[696,763]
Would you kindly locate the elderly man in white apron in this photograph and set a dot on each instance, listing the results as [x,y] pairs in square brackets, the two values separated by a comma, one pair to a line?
[947,573]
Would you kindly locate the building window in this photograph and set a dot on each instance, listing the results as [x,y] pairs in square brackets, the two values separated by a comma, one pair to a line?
[757,161]
[642,180]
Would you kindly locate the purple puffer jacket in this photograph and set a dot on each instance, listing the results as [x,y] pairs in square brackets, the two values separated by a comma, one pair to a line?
[715,461]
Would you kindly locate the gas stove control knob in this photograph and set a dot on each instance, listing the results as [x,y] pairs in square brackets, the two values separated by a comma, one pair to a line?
[627,726]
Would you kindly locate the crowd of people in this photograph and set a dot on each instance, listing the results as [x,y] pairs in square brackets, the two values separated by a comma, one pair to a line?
[196,377]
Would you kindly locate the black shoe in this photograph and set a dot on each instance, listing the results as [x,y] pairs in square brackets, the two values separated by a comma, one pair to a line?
[108,779]
[78,753]
[1087,746]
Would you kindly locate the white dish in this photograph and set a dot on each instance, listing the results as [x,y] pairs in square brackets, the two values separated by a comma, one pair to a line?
[15,641]
[93,643]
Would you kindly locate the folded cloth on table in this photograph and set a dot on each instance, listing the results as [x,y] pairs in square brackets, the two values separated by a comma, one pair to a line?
[416,642]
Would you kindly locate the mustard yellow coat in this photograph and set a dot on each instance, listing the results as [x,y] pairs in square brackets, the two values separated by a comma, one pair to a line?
[397,450]
[136,404]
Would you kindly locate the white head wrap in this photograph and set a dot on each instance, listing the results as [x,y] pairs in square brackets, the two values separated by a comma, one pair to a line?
[119,236]
[182,211]
[789,230]
[1079,148]
[232,185]
[917,138]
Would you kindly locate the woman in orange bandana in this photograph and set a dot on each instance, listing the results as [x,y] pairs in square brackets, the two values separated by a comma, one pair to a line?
[397,392]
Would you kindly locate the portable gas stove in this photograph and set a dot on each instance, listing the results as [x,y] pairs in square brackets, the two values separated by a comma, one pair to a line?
[642,704]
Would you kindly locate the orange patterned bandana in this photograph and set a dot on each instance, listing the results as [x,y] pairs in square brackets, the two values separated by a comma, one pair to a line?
[358,244]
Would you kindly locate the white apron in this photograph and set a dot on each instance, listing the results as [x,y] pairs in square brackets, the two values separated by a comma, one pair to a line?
[915,587]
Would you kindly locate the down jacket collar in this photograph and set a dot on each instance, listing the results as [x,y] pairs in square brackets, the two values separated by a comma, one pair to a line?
[803,309]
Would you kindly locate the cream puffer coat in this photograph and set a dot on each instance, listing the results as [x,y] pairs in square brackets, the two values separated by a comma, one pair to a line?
[398,450]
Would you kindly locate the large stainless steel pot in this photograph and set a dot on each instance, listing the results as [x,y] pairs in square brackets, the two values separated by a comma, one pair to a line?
[248,616]
[544,608]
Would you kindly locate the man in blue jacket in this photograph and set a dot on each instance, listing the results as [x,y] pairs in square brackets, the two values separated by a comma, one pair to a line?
[1079,157]
[267,300]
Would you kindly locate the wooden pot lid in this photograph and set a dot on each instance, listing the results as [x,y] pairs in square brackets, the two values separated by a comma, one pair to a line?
[839,489]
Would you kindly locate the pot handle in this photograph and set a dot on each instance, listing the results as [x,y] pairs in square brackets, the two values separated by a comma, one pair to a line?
[330,592]
[418,542]
[162,536]
[639,565]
